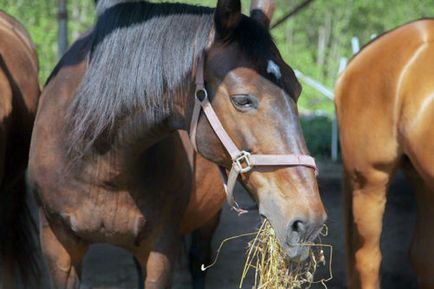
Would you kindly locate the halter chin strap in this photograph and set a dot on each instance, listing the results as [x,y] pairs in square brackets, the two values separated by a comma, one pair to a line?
[242,161]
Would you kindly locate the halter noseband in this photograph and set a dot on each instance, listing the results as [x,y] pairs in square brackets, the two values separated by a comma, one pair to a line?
[242,161]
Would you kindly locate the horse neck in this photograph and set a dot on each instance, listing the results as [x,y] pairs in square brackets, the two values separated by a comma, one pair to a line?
[139,133]
[125,162]
[144,133]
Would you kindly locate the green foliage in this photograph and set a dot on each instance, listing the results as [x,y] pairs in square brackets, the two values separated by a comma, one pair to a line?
[317,133]
[40,19]
[313,41]
[333,23]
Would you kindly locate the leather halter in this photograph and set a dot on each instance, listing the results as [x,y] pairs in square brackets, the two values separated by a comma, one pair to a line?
[242,161]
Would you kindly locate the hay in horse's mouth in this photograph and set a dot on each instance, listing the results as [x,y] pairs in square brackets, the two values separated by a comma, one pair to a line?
[272,267]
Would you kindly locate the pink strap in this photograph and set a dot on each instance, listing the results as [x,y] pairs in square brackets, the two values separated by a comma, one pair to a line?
[217,126]
[242,161]
[194,121]
[283,160]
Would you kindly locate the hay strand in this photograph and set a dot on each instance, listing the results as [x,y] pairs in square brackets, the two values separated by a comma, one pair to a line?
[274,270]
[204,268]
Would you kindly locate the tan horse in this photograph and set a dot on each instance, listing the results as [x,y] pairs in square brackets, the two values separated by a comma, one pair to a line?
[19,94]
[385,108]
[104,161]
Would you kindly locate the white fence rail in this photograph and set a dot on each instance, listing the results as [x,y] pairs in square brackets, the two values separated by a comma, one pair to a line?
[331,96]
[355,45]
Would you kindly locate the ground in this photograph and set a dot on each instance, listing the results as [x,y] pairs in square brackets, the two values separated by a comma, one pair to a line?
[108,267]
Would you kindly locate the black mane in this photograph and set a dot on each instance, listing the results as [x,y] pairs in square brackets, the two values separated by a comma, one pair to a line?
[141,59]
[142,56]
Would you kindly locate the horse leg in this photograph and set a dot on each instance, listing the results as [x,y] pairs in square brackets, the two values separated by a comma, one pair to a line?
[419,147]
[421,253]
[370,155]
[140,264]
[201,251]
[421,250]
[157,265]
[64,255]
[365,199]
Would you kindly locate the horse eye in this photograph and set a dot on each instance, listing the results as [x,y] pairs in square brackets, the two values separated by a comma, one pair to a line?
[244,102]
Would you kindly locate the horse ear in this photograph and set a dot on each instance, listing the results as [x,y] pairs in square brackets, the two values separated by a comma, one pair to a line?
[294,85]
[296,89]
[227,16]
[262,11]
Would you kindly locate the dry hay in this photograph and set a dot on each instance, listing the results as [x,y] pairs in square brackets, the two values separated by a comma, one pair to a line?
[273,269]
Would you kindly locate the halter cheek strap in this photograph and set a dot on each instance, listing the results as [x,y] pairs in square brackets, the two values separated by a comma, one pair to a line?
[242,161]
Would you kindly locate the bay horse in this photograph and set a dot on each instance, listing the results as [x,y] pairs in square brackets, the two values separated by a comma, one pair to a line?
[104,162]
[385,109]
[19,92]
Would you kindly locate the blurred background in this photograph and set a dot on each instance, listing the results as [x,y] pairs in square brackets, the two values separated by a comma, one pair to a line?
[316,40]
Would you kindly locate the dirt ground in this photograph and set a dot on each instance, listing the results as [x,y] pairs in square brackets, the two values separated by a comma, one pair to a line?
[108,267]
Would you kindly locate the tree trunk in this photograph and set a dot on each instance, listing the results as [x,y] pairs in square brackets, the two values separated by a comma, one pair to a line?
[63,28]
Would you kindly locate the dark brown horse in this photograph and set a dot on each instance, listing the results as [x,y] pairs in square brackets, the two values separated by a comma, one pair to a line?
[385,107]
[104,162]
[19,94]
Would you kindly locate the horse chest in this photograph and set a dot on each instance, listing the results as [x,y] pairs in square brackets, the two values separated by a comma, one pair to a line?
[106,216]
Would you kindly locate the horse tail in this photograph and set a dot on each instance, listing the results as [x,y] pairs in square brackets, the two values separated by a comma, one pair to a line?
[19,244]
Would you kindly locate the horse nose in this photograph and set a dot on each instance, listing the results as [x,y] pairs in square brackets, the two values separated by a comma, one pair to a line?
[302,229]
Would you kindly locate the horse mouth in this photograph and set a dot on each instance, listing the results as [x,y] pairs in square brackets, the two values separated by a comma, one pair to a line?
[299,252]
[294,252]
[298,248]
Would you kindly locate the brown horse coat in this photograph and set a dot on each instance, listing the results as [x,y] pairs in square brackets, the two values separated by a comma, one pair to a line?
[117,208]
[385,108]
[19,93]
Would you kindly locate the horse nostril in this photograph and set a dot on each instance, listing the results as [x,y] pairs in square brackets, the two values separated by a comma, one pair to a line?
[298,226]
[296,231]
[303,229]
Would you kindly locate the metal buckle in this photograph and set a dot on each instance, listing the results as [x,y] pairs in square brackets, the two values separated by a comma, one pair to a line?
[201,94]
[243,163]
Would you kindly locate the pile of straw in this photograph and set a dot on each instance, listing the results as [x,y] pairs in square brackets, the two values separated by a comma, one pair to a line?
[274,270]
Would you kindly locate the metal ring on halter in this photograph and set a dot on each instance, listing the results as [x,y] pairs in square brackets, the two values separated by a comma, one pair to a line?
[243,163]
[201,94]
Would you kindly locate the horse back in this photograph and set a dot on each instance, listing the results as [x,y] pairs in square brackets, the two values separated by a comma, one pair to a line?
[18,79]
[12,24]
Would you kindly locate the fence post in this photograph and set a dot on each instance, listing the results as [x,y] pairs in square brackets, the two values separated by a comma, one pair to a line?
[63,28]
[335,132]
[355,43]
[334,152]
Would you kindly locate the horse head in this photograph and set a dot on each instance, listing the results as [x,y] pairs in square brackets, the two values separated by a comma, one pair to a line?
[254,95]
